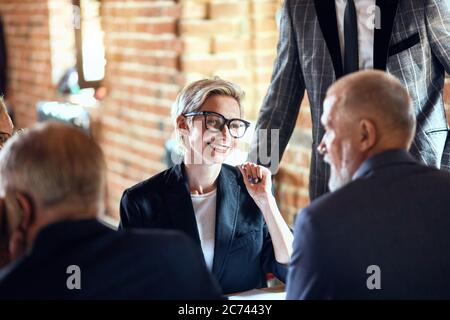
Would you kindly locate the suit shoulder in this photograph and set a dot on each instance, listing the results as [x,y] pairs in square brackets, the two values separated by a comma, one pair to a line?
[231,171]
[295,3]
[149,185]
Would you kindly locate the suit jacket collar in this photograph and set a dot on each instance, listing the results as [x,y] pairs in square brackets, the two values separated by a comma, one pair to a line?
[67,232]
[179,203]
[228,192]
[227,206]
[382,36]
[326,14]
[384,159]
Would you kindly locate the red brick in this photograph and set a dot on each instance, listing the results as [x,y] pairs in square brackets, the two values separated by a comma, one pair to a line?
[231,44]
[159,61]
[211,27]
[265,25]
[156,27]
[304,118]
[194,9]
[447,91]
[198,45]
[228,9]
[266,42]
[173,11]
[264,9]
[208,65]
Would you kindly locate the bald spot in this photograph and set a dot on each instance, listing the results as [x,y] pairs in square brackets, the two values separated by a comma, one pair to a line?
[379,97]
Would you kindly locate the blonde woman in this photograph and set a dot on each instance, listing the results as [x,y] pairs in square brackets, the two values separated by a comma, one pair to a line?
[242,240]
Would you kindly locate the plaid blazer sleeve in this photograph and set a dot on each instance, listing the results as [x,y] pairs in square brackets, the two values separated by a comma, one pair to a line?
[282,101]
[438,27]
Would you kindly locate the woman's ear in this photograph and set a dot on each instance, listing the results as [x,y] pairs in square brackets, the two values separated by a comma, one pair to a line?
[182,126]
[182,123]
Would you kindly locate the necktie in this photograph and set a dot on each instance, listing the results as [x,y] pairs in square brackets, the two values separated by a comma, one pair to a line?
[351,58]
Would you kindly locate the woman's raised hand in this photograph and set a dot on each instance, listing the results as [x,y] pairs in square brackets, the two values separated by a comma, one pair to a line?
[258,181]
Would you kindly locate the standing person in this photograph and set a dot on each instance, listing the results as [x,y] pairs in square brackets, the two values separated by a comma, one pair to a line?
[322,40]
[383,230]
[241,240]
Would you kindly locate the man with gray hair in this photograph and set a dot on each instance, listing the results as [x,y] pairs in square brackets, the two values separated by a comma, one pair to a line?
[383,232]
[52,188]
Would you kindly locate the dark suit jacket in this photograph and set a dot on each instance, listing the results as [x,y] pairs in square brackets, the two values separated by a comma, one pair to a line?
[155,264]
[412,43]
[394,215]
[243,250]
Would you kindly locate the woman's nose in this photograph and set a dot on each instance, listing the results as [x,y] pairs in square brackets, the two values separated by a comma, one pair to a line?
[226,131]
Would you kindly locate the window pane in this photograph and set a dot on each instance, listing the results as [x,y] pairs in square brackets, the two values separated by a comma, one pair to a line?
[93,49]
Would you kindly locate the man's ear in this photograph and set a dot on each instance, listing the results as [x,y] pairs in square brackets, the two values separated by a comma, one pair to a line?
[367,134]
[26,206]
[21,216]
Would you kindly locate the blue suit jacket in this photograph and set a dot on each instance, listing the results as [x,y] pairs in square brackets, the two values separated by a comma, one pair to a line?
[113,265]
[394,215]
[243,251]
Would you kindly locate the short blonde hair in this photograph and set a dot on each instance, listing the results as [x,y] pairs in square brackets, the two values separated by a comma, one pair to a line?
[192,97]
[56,164]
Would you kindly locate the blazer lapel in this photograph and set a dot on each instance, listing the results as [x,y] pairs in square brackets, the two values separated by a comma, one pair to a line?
[179,203]
[382,36]
[227,207]
[326,14]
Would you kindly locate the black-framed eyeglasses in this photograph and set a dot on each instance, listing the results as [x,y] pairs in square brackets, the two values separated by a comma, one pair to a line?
[216,122]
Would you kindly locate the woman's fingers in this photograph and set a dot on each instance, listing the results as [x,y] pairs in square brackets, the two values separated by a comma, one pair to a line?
[252,172]
[259,172]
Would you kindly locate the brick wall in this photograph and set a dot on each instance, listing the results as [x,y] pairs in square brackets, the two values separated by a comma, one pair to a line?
[143,78]
[40,47]
[153,48]
[234,39]
[29,56]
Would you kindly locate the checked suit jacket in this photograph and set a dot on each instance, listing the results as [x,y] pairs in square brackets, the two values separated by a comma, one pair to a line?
[412,43]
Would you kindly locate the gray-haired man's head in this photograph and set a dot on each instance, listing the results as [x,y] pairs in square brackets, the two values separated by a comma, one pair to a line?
[50,173]
[364,114]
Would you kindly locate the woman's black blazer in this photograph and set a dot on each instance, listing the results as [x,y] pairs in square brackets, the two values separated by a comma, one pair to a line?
[243,252]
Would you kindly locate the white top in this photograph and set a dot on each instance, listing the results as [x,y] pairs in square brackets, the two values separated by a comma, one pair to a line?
[205,215]
[366,12]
